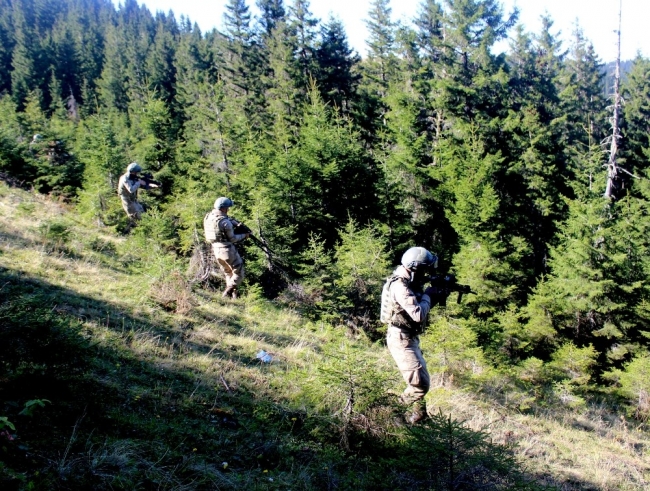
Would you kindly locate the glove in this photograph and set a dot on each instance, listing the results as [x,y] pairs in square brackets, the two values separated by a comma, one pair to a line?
[438,296]
[432,291]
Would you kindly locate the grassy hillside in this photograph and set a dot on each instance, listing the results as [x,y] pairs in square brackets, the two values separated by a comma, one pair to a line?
[138,380]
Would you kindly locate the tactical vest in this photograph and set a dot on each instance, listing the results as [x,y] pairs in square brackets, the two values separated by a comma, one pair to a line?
[212,229]
[392,312]
[123,192]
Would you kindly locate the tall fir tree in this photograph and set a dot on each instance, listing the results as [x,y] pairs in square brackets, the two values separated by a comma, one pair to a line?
[302,27]
[336,76]
[635,146]
[24,59]
[582,100]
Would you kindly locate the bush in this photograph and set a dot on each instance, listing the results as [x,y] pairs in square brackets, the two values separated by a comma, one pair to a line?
[56,232]
[360,270]
[634,382]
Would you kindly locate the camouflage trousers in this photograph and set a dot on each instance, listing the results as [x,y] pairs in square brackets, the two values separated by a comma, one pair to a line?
[405,349]
[132,208]
[230,263]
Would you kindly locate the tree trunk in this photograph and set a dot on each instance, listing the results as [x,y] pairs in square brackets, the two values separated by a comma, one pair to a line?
[612,169]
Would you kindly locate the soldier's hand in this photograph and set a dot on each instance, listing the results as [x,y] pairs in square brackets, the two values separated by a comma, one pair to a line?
[431,291]
[438,296]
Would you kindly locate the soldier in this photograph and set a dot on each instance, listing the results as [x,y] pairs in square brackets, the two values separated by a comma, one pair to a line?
[405,309]
[220,232]
[127,189]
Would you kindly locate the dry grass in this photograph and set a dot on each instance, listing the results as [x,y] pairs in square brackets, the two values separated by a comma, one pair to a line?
[590,449]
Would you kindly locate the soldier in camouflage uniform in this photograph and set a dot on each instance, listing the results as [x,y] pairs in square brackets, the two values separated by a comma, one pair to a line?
[127,189]
[405,309]
[220,232]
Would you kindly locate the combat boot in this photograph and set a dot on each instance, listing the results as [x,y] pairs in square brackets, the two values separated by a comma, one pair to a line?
[228,291]
[417,414]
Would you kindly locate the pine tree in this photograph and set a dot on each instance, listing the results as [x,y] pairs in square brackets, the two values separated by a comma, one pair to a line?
[429,28]
[65,62]
[535,180]
[14,151]
[152,135]
[360,268]
[88,21]
[283,95]
[318,178]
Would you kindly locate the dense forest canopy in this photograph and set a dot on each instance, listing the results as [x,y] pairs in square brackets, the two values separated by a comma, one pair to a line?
[494,161]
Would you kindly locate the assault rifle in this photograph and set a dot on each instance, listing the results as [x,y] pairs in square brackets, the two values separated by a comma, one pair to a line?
[445,284]
[148,179]
[275,260]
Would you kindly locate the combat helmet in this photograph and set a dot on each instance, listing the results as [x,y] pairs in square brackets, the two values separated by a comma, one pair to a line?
[419,258]
[223,202]
[133,167]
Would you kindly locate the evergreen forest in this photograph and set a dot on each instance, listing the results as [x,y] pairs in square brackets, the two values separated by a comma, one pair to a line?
[498,163]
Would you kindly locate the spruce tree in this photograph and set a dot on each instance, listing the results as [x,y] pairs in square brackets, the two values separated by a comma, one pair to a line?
[6,46]
[381,64]
[271,13]
[112,84]
[243,63]
[102,151]
[582,101]
[302,26]
[378,69]
[635,142]
[336,76]
[24,62]
[161,73]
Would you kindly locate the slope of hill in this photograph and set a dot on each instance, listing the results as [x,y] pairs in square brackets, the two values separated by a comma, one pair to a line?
[118,374]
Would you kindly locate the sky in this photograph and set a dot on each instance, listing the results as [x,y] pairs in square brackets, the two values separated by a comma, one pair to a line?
[598,19]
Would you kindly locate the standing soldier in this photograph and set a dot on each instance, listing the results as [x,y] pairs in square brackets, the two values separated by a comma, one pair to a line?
[405,309]
[220,232]
[127,189]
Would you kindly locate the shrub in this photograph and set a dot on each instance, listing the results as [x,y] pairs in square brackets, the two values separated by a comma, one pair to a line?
[634,382]
[56,232]
[574,363]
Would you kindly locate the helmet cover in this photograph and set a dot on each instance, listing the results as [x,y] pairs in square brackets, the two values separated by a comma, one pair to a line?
[223,203]
[133,167]
[418,258]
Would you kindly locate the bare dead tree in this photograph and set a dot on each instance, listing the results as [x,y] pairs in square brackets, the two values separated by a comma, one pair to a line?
[612,167]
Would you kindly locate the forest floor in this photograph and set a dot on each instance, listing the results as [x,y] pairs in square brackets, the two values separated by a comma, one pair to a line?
[142,381]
